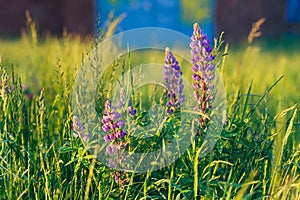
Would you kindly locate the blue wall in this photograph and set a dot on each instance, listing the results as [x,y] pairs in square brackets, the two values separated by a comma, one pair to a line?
[293,11]
[157,13]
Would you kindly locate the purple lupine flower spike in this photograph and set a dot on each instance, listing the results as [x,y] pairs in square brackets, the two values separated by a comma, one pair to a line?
[122,101]
[122,98]
[173,82]
[78,129]
[114,126]
[131,110]
[86,137]
[203,73]
[77,126]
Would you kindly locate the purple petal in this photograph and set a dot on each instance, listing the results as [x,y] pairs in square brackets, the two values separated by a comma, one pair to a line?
[211,67]
[195,68]
[211,77]
[181,99]
[112,149]
[169,111]
[131,110]
[105,119]
[176,67]
[196,77]
[109,137]
[106,128]
[116,179]
[209,49]
[86,137]
[120,134]
[169,103]
[120,123]
[112,163]
[196,86]
[115,115]
[120,104]
[210,57]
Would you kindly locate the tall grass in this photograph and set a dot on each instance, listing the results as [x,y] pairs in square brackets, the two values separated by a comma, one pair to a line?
[257,155]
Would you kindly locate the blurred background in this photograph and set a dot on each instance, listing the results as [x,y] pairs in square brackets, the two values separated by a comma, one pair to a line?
[235,17]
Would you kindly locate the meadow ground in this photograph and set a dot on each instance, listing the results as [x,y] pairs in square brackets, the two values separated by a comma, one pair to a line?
[257,156]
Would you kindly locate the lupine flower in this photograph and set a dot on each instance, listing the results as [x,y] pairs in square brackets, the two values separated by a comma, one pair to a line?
[78,128]
[112,163]
[86,137]
[111,149]
[131,110]
[109,137]
[122,98]
[121,103]
[173,82]
[120,134]
[114,126]
[203,73]
[120,177]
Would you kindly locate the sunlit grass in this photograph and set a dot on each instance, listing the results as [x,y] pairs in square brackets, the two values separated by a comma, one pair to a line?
[257,155]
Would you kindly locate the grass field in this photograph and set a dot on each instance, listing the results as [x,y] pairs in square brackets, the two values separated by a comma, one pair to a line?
[257,156]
